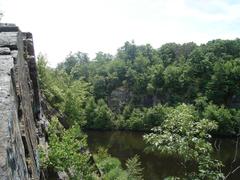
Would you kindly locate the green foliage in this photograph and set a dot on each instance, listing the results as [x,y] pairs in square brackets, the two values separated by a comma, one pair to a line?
[156,79]
[67,95]
[134,169]
[52,83]
[171,75]
[143,119]
[183,134]
[153,82]
[178,83]
[73,60]
[227,119]
[76,97]
[109,166]
[128,52]
[98,115]
[99,87]
[67,151]
[224,83]
[168,53]
[112,169]
[135,122]
[155,116]
[103,57]
[116,174]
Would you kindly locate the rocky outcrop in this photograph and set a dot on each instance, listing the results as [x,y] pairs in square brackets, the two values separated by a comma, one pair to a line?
[22,124]
[118,99]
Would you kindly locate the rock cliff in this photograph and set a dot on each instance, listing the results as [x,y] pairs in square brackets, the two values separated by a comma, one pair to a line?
[22,123]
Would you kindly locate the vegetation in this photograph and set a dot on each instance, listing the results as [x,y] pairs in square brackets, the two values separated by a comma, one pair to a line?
[135,88]
[184,91]
[134,169]
[67,152]
[183,134]
[112,170]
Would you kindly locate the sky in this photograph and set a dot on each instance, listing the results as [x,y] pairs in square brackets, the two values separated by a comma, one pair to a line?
[63,26]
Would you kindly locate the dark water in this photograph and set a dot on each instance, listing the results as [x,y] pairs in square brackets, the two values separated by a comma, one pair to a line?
[124,145]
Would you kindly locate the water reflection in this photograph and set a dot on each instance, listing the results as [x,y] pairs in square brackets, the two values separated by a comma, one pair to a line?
[124,145]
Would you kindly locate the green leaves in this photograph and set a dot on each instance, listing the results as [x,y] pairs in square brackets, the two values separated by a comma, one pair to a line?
[98,115]
[225,82]
[184,134]
[134,169]
[227,119]
[153,82]
[170,75]
[67,151]
[112,169]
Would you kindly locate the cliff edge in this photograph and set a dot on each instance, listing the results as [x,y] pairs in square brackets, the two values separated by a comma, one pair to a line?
[22,123]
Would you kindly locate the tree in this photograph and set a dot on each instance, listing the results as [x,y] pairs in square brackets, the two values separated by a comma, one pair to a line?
[184,134]
[225,82]
[128,52]
[98,115]
[76,97]
[170,75]
[99,87]
[169,53]
[135,121]
[177,83]
[103,57]
[52,83]
[72,60]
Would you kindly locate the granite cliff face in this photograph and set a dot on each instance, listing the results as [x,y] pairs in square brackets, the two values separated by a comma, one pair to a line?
[22,123]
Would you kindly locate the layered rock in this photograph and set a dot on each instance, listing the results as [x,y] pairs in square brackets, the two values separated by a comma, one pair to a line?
[22,123]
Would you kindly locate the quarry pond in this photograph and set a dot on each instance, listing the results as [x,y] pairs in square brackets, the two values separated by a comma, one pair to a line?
[124,145]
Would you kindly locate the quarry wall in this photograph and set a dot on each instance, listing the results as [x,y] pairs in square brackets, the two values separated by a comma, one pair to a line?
[22,123]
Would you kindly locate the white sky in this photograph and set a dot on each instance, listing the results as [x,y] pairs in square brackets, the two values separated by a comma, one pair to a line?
[61,26]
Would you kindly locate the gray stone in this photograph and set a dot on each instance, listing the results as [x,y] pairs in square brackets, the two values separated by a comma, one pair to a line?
[12,156]
[5,27]
[4,51]
[9,39]
[22,127]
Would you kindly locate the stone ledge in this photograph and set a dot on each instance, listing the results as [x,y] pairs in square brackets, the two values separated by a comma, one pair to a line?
[5,27]
[4,51]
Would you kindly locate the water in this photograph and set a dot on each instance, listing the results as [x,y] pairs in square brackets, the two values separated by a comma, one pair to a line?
[124,145]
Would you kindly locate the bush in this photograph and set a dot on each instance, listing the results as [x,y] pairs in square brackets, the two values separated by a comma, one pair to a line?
[227,119]
[67,151]
[98,115]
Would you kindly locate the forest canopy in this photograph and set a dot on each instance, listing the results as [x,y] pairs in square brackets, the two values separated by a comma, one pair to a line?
[136,88]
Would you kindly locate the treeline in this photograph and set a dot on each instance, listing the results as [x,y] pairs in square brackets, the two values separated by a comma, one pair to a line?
[138,87]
